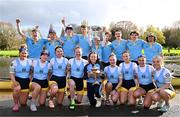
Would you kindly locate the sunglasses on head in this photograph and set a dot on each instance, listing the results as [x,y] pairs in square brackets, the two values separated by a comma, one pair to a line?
[69,28]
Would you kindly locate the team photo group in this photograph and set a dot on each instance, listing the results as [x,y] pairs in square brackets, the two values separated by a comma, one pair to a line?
[119,72]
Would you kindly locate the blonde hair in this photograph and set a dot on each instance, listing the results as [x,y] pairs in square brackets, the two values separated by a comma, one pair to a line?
[160,59]
[113,55]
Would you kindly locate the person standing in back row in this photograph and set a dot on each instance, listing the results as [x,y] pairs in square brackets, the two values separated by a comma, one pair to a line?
[34,44]
[119,46]
[135,46]
[152,48]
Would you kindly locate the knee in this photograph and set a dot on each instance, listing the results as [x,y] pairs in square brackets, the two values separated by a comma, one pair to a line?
[54,89]
[136,94]
[108,85]
[162,92]
[123,101]
[37,88]
[71,84]
[155,98]
[17,89]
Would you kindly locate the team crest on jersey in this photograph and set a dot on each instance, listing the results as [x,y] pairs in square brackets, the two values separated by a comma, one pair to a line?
[126,72]
[111,76]
[40,71]
[23,69]
[78,69]
[143,76]
[167,75]
[59,67]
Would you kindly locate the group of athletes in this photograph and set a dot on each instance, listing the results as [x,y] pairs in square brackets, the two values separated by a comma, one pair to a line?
[118,68]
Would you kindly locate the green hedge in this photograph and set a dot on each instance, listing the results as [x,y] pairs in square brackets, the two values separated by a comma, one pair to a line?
[14,53]
[9,53]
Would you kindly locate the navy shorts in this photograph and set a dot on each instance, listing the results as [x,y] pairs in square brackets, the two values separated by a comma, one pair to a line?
[24,82]
[61,81]
[128,84]
[147,87]
[78,82]
[42,83]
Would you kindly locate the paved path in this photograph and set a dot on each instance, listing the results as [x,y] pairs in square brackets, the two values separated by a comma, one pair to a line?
[86,110]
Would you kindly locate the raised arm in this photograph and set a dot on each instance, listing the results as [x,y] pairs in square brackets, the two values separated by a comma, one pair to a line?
[19,28]
[64,26]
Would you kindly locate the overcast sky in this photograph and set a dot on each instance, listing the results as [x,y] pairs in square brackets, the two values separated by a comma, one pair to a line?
[159,13]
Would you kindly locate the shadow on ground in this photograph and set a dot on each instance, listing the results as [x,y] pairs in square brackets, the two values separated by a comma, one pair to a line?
[82,110]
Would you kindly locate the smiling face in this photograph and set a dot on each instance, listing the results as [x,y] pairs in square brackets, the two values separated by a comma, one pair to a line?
[133,36]
[78,52]
[44,57]
[84,30]
[35,34]
[107,37]
[142,61]
[69,31]
[23,55]
[151,38]
[118,34]
[96,41]
[52,36]
[112,60]
[157,62]
[59,52]
[126,57]
[93,58]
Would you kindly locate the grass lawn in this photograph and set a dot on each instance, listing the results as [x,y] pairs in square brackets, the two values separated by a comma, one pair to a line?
[14,53]
[9,53]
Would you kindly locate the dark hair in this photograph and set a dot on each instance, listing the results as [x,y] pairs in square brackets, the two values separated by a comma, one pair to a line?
[112,54]
[108,32]
[134,32]
[34,30]
[147,38]
[23,47]
[141,56]
[44,52]
[69,27]
[57,48]
[126,52]
[83,26]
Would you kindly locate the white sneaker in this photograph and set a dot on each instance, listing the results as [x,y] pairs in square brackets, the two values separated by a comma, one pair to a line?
[165,108]
[98,103]
[33,107]
[160,104]
[140,102]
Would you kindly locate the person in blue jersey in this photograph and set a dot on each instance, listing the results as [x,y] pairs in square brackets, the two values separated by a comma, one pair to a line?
[135,46]
[119,46]
[106,49]
[152,48]
[114,80]
[84,41]
[129,83]
[52,42]
[144,74]
[20,77]
[93,74]
[39,83]
[69,42]
[164,90]
[34,44]
[76,78]
[96,47]
[57,81]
